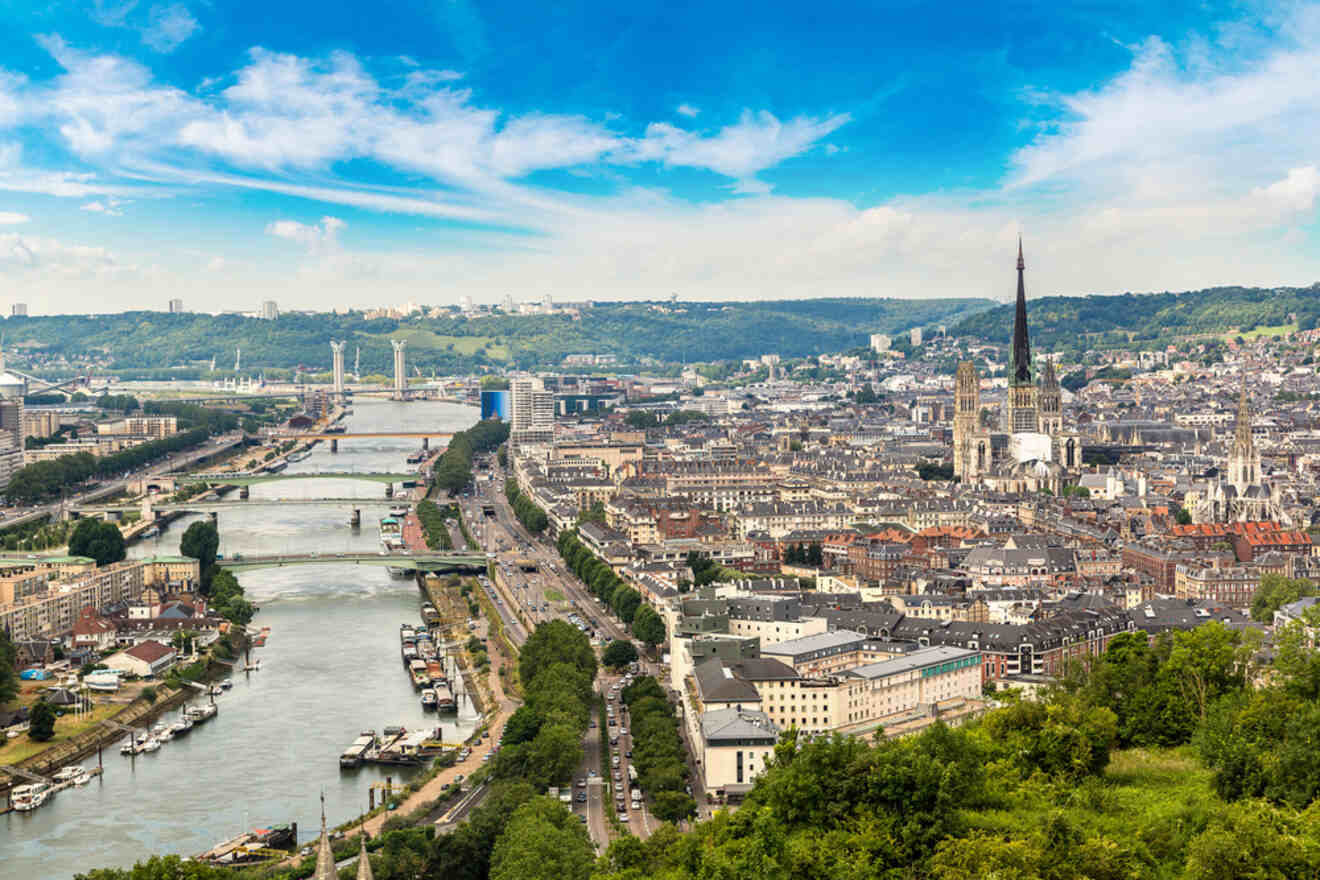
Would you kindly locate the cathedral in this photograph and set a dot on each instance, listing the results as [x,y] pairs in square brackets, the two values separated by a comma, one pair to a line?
[1243,496]
[1033,451]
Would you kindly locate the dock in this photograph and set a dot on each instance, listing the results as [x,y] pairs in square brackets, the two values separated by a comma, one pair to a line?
[353,755]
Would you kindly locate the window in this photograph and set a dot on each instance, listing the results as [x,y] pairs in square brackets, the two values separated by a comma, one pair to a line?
[740,766]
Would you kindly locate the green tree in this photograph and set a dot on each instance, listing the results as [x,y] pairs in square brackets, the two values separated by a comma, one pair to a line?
[1274,592]
[556,641]
[649,626]
[200,541]
[98,540]
[9,685]
[619,654]
[542,841]
[41,722]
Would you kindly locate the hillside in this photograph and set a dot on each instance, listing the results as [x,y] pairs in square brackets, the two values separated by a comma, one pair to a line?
[670,332]
[1079,323]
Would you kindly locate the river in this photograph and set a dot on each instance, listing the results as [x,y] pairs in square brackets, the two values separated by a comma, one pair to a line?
[331,668]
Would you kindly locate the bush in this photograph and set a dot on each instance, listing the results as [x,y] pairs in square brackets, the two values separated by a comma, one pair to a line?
[149,694]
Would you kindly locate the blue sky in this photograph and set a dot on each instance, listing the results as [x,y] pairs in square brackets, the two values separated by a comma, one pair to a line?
[335,154]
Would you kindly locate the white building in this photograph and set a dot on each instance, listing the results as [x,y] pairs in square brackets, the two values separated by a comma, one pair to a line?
[735,747]
[146,659]
[880,342]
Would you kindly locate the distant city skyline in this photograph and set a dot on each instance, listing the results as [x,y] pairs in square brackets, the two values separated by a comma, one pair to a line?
[229,154]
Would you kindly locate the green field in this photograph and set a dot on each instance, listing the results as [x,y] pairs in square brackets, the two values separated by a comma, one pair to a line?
[1276,330]
[429,341]
[554,595]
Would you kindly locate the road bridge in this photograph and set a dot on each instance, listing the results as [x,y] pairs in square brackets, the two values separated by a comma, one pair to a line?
[359,435]
[212,506]
[421,561]
[251,479]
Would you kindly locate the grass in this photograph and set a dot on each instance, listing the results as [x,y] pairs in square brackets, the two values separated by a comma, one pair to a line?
[15,751]
[1276,330]
[554,595]
[426,340]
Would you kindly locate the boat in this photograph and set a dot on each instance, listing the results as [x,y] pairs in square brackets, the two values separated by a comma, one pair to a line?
[69,774]
[152,744]
[226,685]
[214,691]
[276,467]
[250,847]
[428,699]
[444,699]
[252,667]
[416,457]
[352,756]
[299,456]
[84,776]
[420,677]
[203,712]
[105,681]
[182,726]
[157,729]
[28,797]
[400,511]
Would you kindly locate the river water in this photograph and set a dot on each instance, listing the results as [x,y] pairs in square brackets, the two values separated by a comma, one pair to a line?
[330,668]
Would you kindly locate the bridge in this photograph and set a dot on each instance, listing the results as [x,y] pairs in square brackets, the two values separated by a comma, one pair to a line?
[212,506]
[421,561]
[279,434]
[238,478]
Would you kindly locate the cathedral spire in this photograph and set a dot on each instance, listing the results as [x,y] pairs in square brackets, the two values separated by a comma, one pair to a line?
[1021,357]
[325,858]
[1242,430]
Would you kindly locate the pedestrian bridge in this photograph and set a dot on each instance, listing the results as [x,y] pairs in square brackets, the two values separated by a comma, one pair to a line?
[250,479]
[421,561]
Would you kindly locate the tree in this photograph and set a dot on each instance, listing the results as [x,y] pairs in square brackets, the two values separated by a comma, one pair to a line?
[542,841]
[619,654]
[41,723]
[556,641]
[8,673]
[671,806]
[98,540]
[649,626]
[201,541]
[1276,591]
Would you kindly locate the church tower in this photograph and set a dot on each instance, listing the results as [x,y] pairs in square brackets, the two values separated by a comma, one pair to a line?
[968,460]
[1050,399]
[1022,416]
[1243,457]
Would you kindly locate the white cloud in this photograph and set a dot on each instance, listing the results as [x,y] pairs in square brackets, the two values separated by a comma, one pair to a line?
[756,142]
[110,208]
[40,259]
[169,27]
[687,110]
[11,218]
[316,237]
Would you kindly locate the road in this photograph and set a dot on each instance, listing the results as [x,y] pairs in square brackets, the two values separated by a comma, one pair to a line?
[18,516]
[530,590]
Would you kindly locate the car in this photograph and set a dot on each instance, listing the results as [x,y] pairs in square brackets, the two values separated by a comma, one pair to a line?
[582,783]
[614,740]
[591,774]
[581,797]
[623,731]
[459,778]
[613,723]
[623,817]
[618,774]
[628,754]
[615,760]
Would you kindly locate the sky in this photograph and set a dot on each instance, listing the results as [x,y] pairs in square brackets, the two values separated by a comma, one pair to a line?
[363,154]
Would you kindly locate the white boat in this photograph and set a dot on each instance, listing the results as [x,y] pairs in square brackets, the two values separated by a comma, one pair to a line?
[70,773]
[28,797]
[182,726]
[428,698]
[152,744]
[203,712]
[103,680]
[165,735]
[83,777]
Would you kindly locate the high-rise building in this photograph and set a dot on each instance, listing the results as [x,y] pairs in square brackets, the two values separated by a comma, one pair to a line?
[18,310]
[880,342]
[176,306]
[914,336]
[969,448]
[532,411]
[337,365]
[400,369]
[270,310]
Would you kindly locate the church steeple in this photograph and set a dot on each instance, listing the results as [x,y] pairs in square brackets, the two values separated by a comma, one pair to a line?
[325,858]
[1021,358]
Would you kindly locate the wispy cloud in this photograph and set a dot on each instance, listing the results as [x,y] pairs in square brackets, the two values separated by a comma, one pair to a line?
[316,236]
[168,27]
[109,208]
[688,110]
[12,218]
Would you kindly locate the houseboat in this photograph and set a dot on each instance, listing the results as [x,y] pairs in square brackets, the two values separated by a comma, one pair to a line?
[26,798]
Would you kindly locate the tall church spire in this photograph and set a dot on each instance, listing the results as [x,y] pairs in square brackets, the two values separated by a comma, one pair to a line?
[1021,358]
[325,858]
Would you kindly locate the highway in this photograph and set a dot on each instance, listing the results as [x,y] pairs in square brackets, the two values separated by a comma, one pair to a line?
[529,592]
[18,516]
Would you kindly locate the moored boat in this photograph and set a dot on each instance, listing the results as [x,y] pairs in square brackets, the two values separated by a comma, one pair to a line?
[428,699]
[25,798]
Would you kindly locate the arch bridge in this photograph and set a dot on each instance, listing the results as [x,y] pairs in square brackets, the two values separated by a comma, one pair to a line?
[418,561]
[251,479]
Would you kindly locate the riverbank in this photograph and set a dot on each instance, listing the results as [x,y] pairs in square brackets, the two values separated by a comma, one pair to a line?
[139,713]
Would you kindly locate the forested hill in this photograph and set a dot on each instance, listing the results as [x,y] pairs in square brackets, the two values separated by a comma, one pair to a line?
[1078,323]
[667,332]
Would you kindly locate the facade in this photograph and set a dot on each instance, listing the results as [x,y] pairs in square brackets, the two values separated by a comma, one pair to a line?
[176,307]
[532,411]
[1034,450]
[146,659]
[270,310]
[1244,496]
[400,368]
[337,365]
[735,747]
[495,405]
